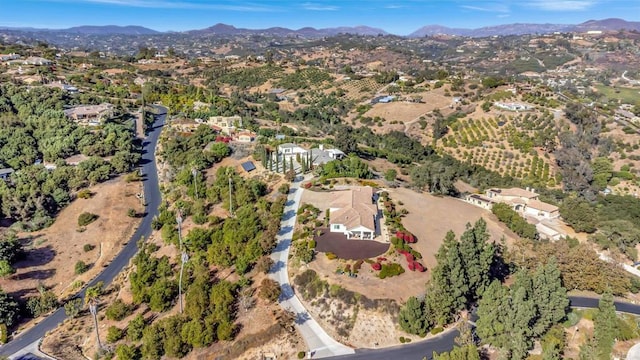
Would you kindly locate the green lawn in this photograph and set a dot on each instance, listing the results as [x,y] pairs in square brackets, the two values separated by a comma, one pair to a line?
[627,95]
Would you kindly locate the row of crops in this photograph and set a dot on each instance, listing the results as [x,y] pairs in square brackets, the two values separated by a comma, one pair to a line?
[505,144]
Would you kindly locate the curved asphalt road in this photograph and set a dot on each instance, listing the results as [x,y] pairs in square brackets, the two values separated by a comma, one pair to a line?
[152,197]
[445,342]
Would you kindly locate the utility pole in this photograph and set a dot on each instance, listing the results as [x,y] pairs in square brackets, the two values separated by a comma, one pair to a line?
[93,308]
[194,172]
[183,258]
[230,197]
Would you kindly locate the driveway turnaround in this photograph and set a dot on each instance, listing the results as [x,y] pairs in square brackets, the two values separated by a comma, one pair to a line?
[152,198]
[319,342]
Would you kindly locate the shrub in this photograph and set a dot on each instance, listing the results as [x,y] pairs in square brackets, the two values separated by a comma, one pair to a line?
[127,352]
[312,244]
[389,270]
[84,194]
[269,290]
[264,264]
[88,247]
[81,267]
[376,266]
[86,218]
[437,330]
[284,189]
[331,256]
[118,310]
[402,339]
[302,354]
[114,334]
[72,307]
[135,328]
[131,212]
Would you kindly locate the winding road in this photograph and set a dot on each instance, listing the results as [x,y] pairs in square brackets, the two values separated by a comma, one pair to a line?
[318,341]
[445,342]
[152,197]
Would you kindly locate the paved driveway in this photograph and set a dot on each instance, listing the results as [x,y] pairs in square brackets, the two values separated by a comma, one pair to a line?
[318,341]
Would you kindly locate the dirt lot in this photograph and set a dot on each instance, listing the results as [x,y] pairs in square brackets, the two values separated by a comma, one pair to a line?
[430,217]
[53,252]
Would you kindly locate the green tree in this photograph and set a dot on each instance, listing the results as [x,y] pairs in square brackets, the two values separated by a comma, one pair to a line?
[390,175]
[135,328]
[579,214]
[547,284]
[6,269]
[605,326]
[8,309]
[413,318]
[127,352]
[468,352]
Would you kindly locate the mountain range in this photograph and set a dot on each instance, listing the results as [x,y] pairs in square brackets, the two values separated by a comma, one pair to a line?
[309,32]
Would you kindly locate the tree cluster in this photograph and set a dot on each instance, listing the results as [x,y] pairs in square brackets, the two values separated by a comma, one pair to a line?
[512,317]
[466,267]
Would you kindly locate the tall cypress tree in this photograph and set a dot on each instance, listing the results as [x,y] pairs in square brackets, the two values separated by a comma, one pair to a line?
[605,326]
[547,286]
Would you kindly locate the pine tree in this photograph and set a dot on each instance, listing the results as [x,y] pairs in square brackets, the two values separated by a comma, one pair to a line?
[491,326]
[412,317]
[547,285]
[605,326]
[477,256]
[522,315]
[291,163]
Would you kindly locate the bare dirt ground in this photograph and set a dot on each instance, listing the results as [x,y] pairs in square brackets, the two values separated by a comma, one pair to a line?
[430,217]
[53,252]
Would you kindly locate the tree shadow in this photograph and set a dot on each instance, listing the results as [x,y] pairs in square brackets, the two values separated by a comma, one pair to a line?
[36,257]
[282,245]
[302,317]
[288,215]
[277,266]
[285,230]
[286,292]
[35,274]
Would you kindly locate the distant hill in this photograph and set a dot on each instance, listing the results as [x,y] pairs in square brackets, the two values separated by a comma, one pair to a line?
[607,24]
[310,32]
[230,30]
[110,30]
[521,29]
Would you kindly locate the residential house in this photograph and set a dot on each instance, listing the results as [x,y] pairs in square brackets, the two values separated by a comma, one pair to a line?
[289,149]
[36,60]
[226,124]
[513,106]
[320,155]
[354,213]
[245,136]
[92,115]
[525,201]
[7,57]
[5,173]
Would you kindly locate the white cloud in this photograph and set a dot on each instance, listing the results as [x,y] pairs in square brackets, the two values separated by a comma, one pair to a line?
[562,5]
[171,4]
[319,7]
[488,7]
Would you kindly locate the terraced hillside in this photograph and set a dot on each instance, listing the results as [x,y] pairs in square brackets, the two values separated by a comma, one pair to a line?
[509,144]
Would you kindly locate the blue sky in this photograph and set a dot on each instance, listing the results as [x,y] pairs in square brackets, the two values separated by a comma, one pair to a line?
[395,16]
